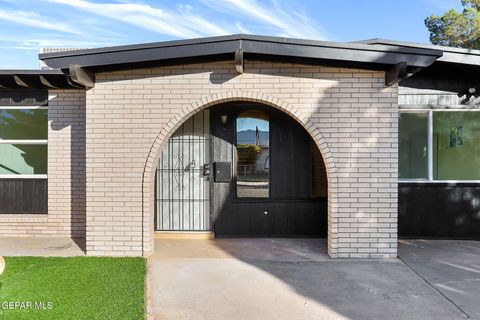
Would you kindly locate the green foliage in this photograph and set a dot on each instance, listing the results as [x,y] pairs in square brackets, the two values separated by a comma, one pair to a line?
[248,153]
[78,288]
[457,29]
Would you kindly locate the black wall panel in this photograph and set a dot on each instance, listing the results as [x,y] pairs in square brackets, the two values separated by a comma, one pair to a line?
[23,196]
[450,211]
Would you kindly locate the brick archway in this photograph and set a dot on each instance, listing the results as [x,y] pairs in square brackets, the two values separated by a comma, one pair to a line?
[187,111]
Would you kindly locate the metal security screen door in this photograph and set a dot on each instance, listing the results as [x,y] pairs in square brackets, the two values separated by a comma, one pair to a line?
[182,185]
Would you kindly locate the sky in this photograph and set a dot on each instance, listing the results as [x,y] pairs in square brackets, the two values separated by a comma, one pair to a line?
[28,25]
[251,124]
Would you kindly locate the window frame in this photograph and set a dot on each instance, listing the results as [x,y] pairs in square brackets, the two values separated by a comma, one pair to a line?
[24,142]
[429,109]
[236,197]
[429,149]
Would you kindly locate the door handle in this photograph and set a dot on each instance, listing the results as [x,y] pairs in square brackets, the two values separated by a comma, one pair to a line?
[206,170]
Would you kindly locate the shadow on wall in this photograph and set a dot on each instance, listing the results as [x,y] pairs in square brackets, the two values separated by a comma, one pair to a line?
[63,116]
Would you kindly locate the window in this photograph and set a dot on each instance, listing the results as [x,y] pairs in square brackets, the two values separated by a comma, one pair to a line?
[439,145]
[412,145]
[456,145]
[23,141]
[253,157]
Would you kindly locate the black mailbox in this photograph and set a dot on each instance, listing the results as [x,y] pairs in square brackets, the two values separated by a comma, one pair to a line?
[222,171]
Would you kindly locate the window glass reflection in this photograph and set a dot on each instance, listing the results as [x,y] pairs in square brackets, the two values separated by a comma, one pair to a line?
[23,159]
[23,124]
[456,150]
[253,155]
[412,145]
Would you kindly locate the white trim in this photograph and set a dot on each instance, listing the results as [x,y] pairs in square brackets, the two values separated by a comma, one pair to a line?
[413,109]
[455,110]
[430,146]
[415,180]
[23,176]
[25,141]
[23,107]
[437,181]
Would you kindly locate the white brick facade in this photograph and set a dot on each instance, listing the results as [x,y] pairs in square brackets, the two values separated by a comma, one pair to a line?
[350,114]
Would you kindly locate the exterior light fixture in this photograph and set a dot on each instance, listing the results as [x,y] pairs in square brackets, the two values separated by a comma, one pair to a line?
[469,92]
[223,120]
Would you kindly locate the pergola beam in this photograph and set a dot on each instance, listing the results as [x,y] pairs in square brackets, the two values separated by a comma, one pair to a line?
[36,79]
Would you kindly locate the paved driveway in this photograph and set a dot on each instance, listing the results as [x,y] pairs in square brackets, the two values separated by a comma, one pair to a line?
[286,279]
[451,267]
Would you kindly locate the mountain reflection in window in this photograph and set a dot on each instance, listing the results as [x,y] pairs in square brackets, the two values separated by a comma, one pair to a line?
[253,155]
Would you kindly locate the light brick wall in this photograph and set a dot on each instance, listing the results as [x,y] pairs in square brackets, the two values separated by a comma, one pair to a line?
[350,114]
[66,163]
[66,174]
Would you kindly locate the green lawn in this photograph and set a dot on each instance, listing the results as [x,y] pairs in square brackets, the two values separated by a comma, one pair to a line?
[74,288]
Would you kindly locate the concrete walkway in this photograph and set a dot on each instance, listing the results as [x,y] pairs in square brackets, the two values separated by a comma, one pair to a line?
[451,267]
[44,247]
[295,279]
[284,279]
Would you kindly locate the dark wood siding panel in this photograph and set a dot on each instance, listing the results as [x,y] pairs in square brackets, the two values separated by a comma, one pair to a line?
[439,211]
[27,196]
[23,196]
[40,196]
[291,211]
[4,196]
[319,174]
[15,194]
[291,160]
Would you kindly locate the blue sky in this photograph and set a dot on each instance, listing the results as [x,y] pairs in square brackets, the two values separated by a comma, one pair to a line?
[251,124]
[27,25]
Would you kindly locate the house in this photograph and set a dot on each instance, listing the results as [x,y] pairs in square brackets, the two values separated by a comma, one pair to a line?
[119,145]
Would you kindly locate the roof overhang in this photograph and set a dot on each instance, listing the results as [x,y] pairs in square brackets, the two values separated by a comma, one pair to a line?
[76,69]
[251,47]
[450,54]
[37,79]
[456,70]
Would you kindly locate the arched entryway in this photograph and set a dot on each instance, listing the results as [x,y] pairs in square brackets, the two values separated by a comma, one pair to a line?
[308,123]
[242,169]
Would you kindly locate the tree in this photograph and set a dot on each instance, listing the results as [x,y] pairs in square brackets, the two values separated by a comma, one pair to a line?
[457,29]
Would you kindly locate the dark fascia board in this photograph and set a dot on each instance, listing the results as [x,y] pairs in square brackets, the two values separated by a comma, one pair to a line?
[36,79]
[290,49]
[450,54]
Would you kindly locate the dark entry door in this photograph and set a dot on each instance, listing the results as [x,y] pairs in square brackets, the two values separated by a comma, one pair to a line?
[269,179]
